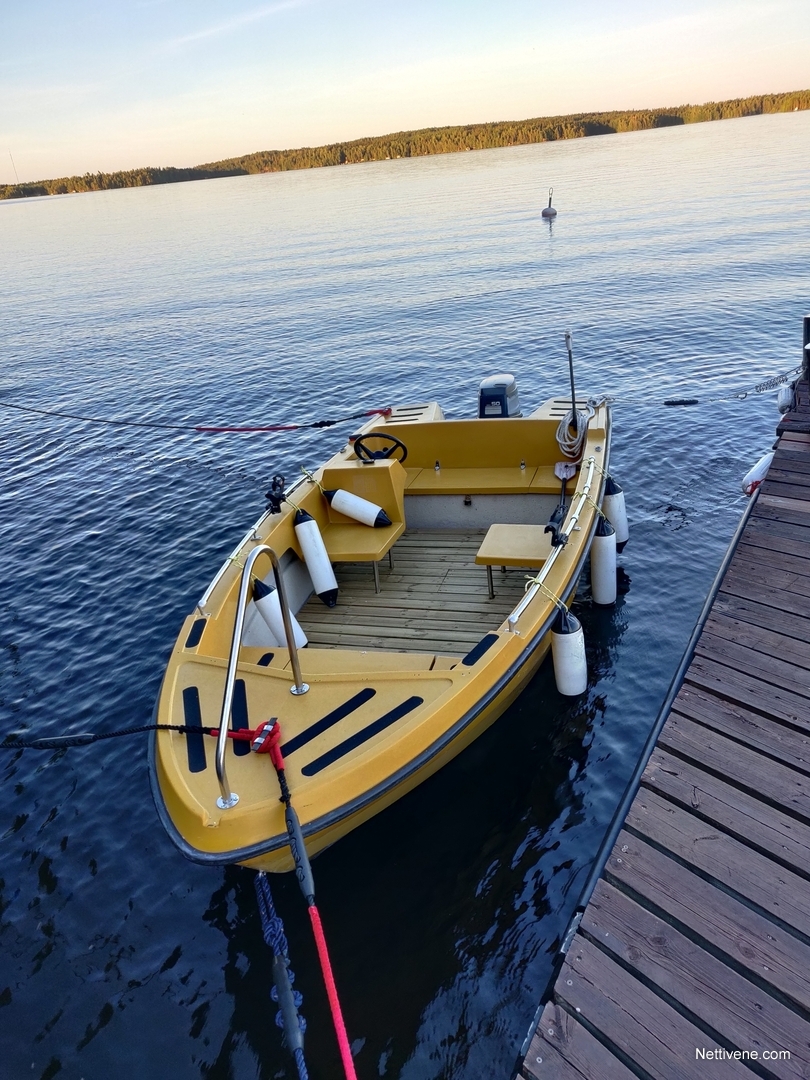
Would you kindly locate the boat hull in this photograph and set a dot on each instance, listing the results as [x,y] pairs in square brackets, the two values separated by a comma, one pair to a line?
[378,720]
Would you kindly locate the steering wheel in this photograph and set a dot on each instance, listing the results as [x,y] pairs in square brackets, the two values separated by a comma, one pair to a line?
[366,454]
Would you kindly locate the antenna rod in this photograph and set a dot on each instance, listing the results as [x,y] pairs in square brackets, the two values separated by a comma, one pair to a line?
[569,346]
[14,167]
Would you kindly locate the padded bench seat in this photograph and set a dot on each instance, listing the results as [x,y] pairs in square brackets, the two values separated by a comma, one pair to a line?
[513,545]
[359,543]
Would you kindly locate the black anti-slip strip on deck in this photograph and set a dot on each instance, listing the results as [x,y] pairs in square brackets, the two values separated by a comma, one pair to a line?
[265,660]
[194,634]
[332,718]
[239,717]
[360,737]
[195,743]
[475,654]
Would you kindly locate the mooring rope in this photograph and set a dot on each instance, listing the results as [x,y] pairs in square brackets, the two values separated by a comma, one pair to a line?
[288,1000]
[84,738]
[194,427]
[267,741]
[738,395]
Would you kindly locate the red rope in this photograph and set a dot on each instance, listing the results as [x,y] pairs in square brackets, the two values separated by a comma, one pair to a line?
[331,990]
[271,730]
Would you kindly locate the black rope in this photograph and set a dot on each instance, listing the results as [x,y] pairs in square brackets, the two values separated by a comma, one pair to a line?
[58,742]
[95,419]
[289,1001]
[190,427]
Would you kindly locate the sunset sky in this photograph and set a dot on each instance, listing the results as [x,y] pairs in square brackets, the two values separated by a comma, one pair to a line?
[107,84]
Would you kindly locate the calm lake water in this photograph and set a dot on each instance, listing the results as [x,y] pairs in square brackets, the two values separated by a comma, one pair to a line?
[679,259]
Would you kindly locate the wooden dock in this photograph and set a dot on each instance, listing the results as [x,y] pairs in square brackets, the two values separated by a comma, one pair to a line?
[692,956]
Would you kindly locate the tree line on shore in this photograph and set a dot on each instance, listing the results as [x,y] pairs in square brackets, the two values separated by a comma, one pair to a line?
[403,144]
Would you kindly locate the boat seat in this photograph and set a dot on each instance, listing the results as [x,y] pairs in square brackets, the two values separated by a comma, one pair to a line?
[381,482]
[513,545]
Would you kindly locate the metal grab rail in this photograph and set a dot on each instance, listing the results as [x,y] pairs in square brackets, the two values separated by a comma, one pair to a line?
[570,525]
[229,798]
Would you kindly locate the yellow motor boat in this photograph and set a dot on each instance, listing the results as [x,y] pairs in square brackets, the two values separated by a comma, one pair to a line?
[444,607]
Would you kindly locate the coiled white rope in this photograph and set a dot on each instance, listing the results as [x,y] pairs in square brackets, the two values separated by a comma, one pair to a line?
[571,434]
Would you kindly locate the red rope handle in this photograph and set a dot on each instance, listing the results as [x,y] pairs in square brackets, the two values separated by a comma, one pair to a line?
[331,990]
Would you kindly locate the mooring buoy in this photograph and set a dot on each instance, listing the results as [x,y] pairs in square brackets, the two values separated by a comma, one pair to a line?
[549,211]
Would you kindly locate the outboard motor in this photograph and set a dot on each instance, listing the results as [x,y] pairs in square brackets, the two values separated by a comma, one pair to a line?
[498,396]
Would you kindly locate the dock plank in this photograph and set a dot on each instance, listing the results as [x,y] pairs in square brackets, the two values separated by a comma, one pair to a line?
[747,658]
[740,582]
[770,553]
[749,691]
[779,501]
[766,642]
[737,1011]
[750,941]
[739,813]
[764,615]
[768,510]
[775,536]
[761,733]
[561,1048]
[754,877]
[784,490]
[775,784]
[652,1034]
[770,569]
[790,459]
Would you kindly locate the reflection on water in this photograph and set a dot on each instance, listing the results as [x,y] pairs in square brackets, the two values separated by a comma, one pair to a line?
[298,296]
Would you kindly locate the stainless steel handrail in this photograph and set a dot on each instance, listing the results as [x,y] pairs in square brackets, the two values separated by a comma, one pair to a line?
[229,798]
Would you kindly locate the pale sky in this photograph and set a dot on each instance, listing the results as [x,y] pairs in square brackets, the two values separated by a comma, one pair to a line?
[92,85]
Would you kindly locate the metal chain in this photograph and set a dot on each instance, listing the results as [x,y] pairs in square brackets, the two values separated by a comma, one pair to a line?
[739,395]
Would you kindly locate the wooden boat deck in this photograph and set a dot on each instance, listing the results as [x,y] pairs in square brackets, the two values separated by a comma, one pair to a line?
[697,936]
[434,600]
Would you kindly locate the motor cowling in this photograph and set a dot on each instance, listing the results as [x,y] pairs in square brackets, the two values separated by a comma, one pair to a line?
[498,397]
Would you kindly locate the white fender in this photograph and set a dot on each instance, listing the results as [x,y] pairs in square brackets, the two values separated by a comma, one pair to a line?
[315,556]
[603,564]
[754,477]
[568,654]
[368,513]
[784,399]
[269,607]
[614,510]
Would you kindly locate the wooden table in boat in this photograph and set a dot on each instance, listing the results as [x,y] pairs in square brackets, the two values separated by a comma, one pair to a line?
[513,545]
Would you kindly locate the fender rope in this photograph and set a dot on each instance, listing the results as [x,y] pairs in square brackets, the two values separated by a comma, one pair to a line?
[268,737]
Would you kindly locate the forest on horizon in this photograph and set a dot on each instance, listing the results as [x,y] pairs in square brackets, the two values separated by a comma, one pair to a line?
[441,140]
